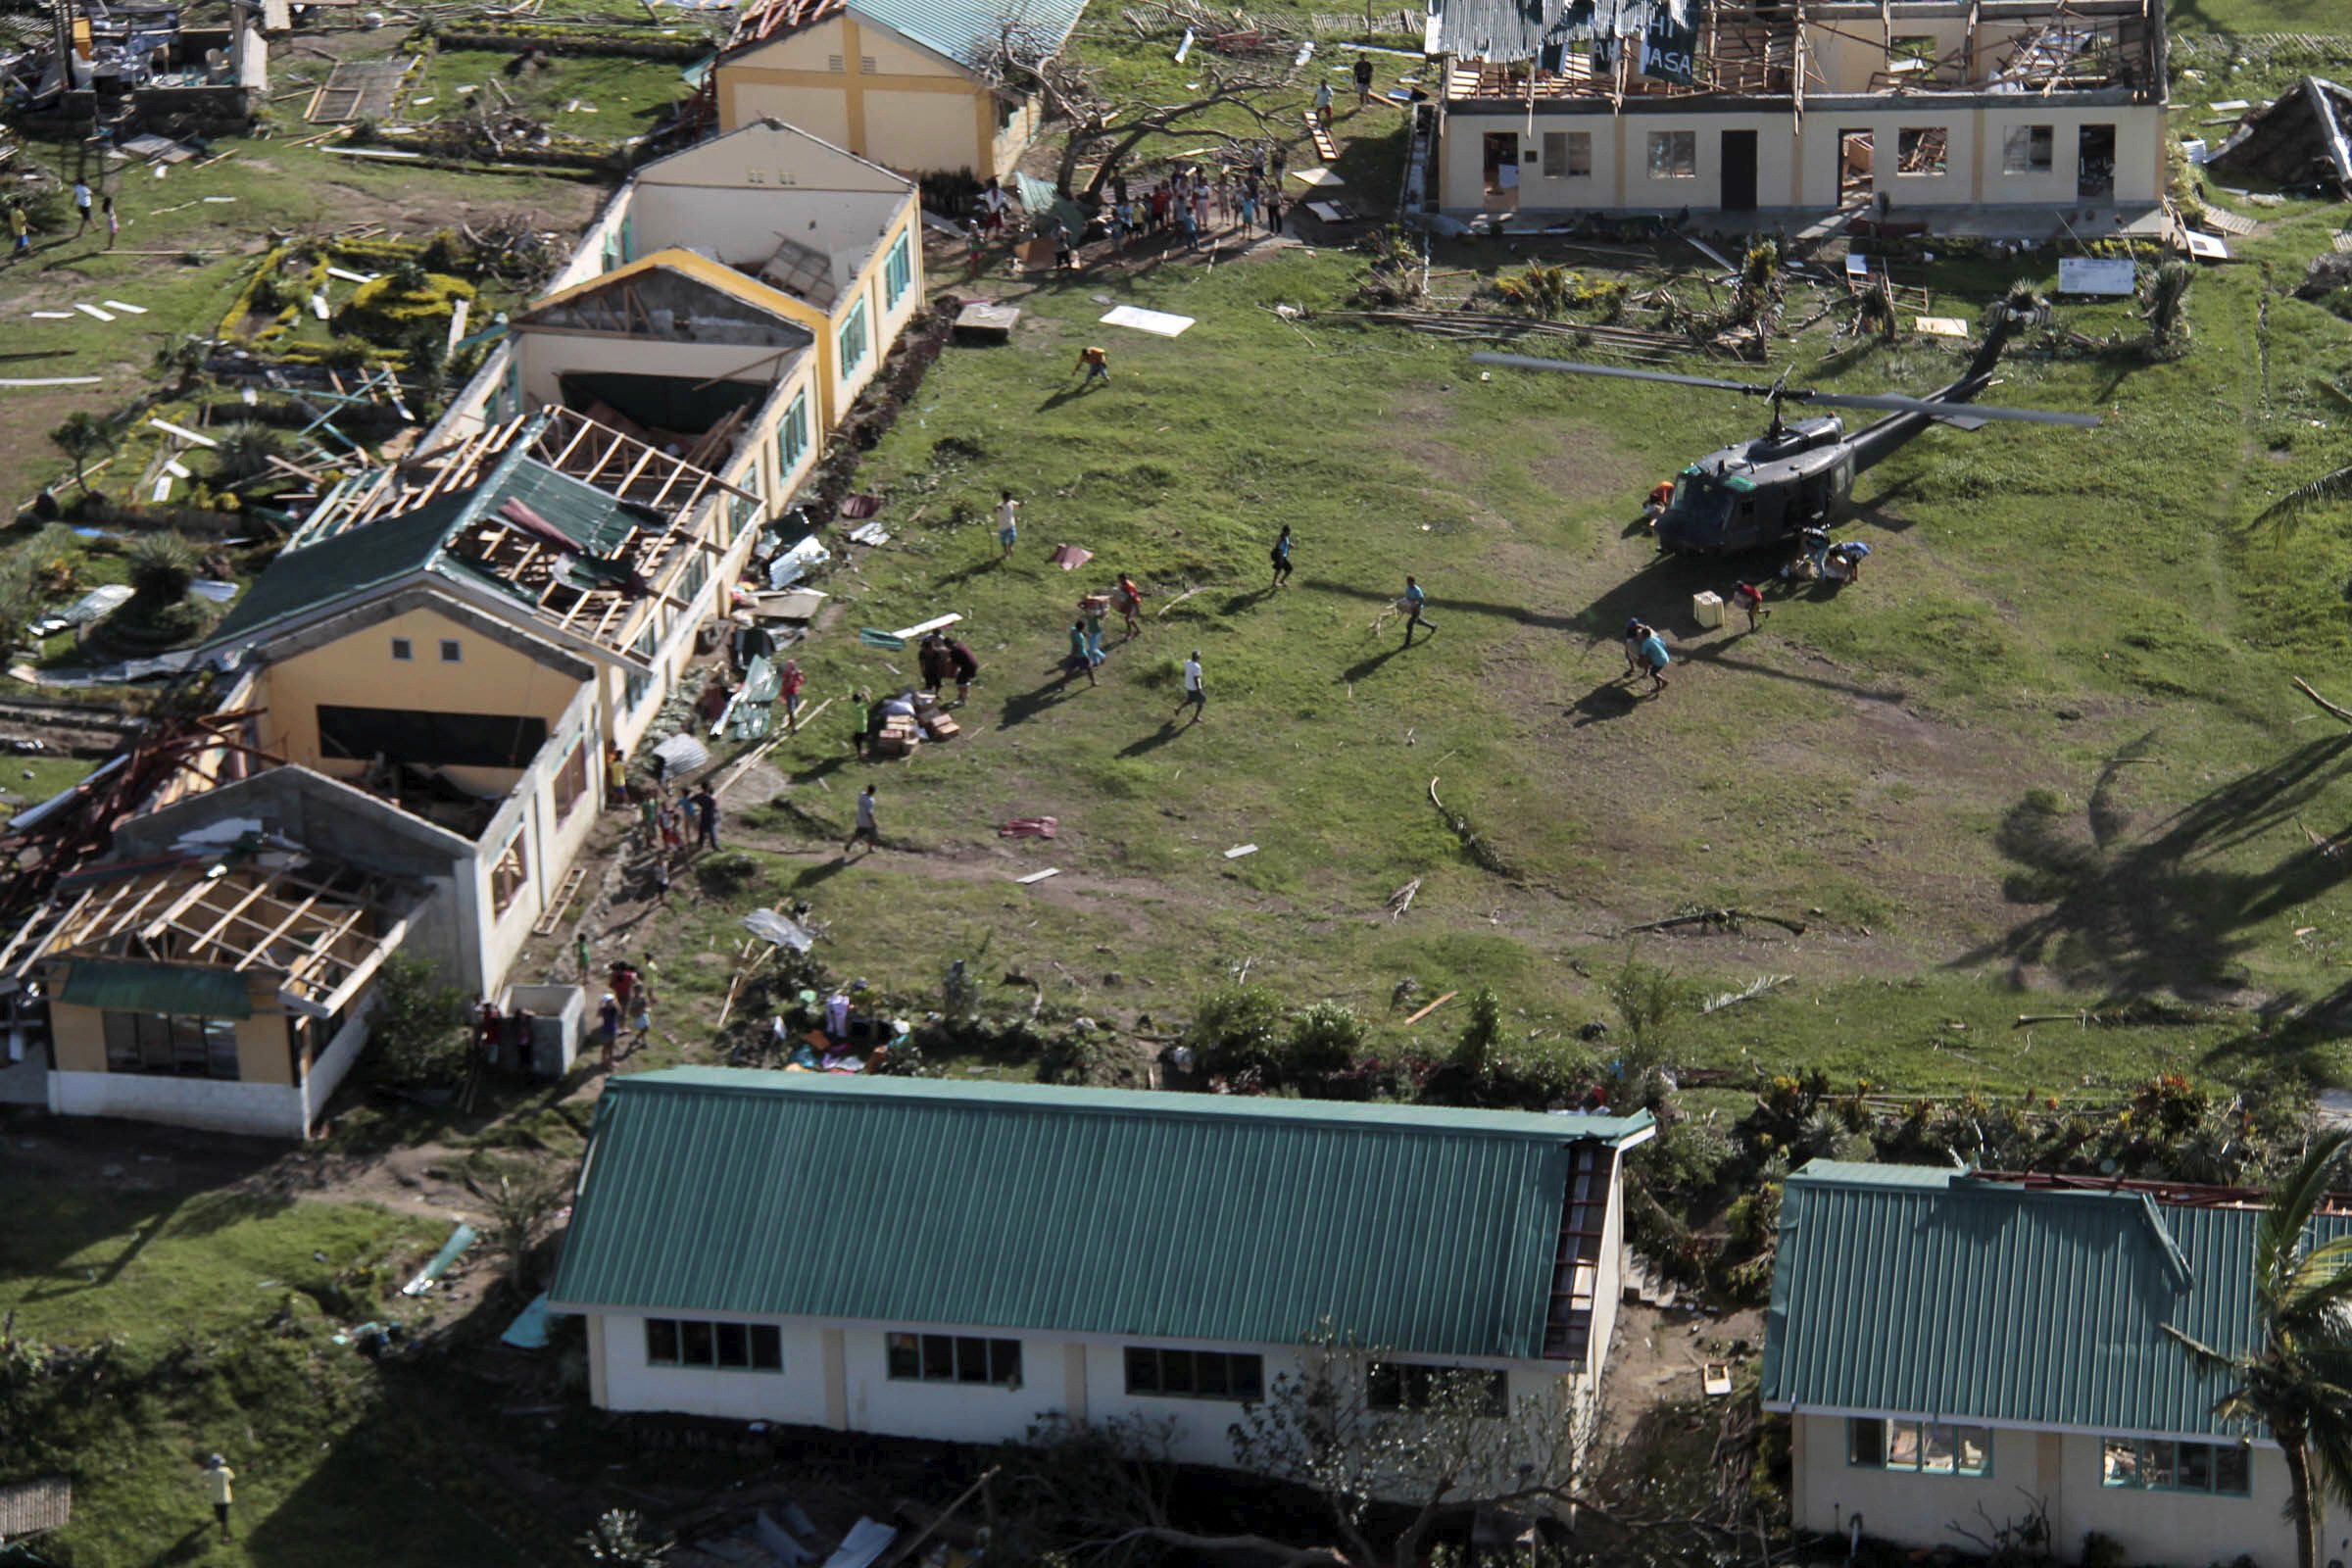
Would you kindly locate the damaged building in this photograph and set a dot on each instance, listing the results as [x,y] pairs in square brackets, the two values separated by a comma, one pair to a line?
[2301,138]
[124,68]
[1806,107]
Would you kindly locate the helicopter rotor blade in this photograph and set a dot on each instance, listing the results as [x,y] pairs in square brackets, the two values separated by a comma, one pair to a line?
[1966,410]
[1528,362]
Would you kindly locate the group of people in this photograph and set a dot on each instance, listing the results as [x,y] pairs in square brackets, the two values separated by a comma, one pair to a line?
[89,207]
[1819,561]
[1190,202]
[628,1000]
[664,819]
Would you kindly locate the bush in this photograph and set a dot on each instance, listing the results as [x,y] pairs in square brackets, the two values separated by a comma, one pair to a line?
[161,567]
[1092,1058]
[418,1027]
[1474,1054]
[1325,1039]
[1236,1033]
[246,449]
[396,303]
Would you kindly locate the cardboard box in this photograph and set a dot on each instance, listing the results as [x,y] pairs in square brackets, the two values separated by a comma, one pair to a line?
[1706,609]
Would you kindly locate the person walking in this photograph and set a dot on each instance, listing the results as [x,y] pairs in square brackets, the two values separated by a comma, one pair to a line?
[1064,257]
[964,665]
[1363,81]
[1749,597]
[223,1484]
[21,230]
[1195,695]
[1008,524]
[114,224]
[789,682]
[1094,361]
[931,658]
[1411,603]
[861,722]
[1080,659]
[665,816]
[641,1019]
[617,779]
[975,248]
[866,830]
[648,821]
[1248,208]
[1273,211]
[1636,631]
[1323,104]
[1655,658]
[1130,600]
[608,1028]
[705,815]
[582,956]
[82,205]
[992,207]
[1091,610]
[1192,230]
[1281,557]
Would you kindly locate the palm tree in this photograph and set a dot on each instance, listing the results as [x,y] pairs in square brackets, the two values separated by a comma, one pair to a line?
[2165,308]
[2296,1381]
[2288,511]
[82,436]
[161,569]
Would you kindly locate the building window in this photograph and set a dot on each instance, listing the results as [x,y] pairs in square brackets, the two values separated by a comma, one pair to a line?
[171,1044]
[572,779]
[2146,1464]
[1412,1385]
[1923,1448]
[635,685]
[727,1346]
[1916,48]
[1922,150]
[1195,1374]
[853,339]
[2026,149]
[897,269]
[954,1358]
[450,651]
[403,650]
[1567,154]
[792,439]
[1673,155]
[507,877]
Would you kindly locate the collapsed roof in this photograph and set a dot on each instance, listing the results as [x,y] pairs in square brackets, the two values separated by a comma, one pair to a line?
[2303,138]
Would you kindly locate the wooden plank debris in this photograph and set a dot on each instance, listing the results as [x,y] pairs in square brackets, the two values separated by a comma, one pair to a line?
[1039,877]
[1432,1007]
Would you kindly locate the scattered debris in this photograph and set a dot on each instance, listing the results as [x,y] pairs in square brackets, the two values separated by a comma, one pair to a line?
[1432,1007]
[458,1240]
[1722,919]
[1029,827]
[2304,137]
[1158,323]
[1403,898]
[1069,558]
[1039,877]
[1240,850]
[1762,984]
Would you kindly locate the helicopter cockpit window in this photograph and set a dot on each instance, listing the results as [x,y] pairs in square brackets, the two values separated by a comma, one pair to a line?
[1701,497]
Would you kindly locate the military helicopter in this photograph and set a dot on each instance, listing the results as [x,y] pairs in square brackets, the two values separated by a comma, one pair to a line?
[1759,492]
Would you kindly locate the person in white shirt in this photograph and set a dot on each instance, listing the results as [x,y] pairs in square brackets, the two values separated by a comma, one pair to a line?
[1195,697]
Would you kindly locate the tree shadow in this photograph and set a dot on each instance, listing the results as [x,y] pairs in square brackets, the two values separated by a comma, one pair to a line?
[2140,912]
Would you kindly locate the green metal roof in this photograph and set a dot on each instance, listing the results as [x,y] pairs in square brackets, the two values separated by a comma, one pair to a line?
[1170,1215]
[966,30]
[1913,1291]
[121,985]
[312,573]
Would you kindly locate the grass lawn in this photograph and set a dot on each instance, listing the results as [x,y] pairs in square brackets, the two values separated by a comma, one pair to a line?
[2047,753]
[214,1310]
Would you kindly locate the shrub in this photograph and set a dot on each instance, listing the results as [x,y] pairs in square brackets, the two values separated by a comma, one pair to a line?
[1235,1034]
[397,301]
[246,449]
[1089,1056]
[161,567]
[1474,1054]
[1324,1040]
[419,1026]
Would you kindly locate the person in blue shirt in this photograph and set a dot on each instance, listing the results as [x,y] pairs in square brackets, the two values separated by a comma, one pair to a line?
[1079,658]
[1655,657]
[1281,557]
[1411,603]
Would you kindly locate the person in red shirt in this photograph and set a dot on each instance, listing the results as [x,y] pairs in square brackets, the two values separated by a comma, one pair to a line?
[788,685]
[1130,600]
[1751,598]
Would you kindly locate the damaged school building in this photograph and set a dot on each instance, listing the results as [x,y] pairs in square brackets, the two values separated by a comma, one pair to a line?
[123,66]
[902,1304]
[1803,107]
[422,692]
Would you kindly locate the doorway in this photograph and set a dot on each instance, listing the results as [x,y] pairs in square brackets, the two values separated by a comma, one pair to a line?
[1500,159]
[2094,163]
[1739,171]
[1853,166]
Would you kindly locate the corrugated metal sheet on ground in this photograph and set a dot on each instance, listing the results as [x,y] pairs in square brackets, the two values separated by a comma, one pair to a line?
[1185,1216]
[131,986]
[1917,1291]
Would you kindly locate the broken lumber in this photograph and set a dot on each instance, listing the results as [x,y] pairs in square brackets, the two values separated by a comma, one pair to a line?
[1729,919]
[1403,898]
[1432,1007]
[2305,688]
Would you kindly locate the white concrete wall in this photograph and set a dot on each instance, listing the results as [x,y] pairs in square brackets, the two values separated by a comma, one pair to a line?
[268,1111]
[795,1396]
[2159,1529]
[318,1085]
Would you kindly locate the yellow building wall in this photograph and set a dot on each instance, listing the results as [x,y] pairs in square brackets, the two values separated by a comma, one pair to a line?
[360,672]
[913,110]
[77,1039]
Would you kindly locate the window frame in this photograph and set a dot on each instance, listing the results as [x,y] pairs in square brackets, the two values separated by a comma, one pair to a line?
[1166,1365]
[1575,147]
[404,651]
[2170,1457]
[962,1360]
[2010,138]
[1669,142]
[161,1045]
[1943,163]
[703,1344]
[1922,1440]
[453,651]
[897,269]
[860,323]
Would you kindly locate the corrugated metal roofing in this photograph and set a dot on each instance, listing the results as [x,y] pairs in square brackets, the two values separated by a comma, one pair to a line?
[1183,1216]
[960,30]
[129,986]
[1923,1292]
[1524,30]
